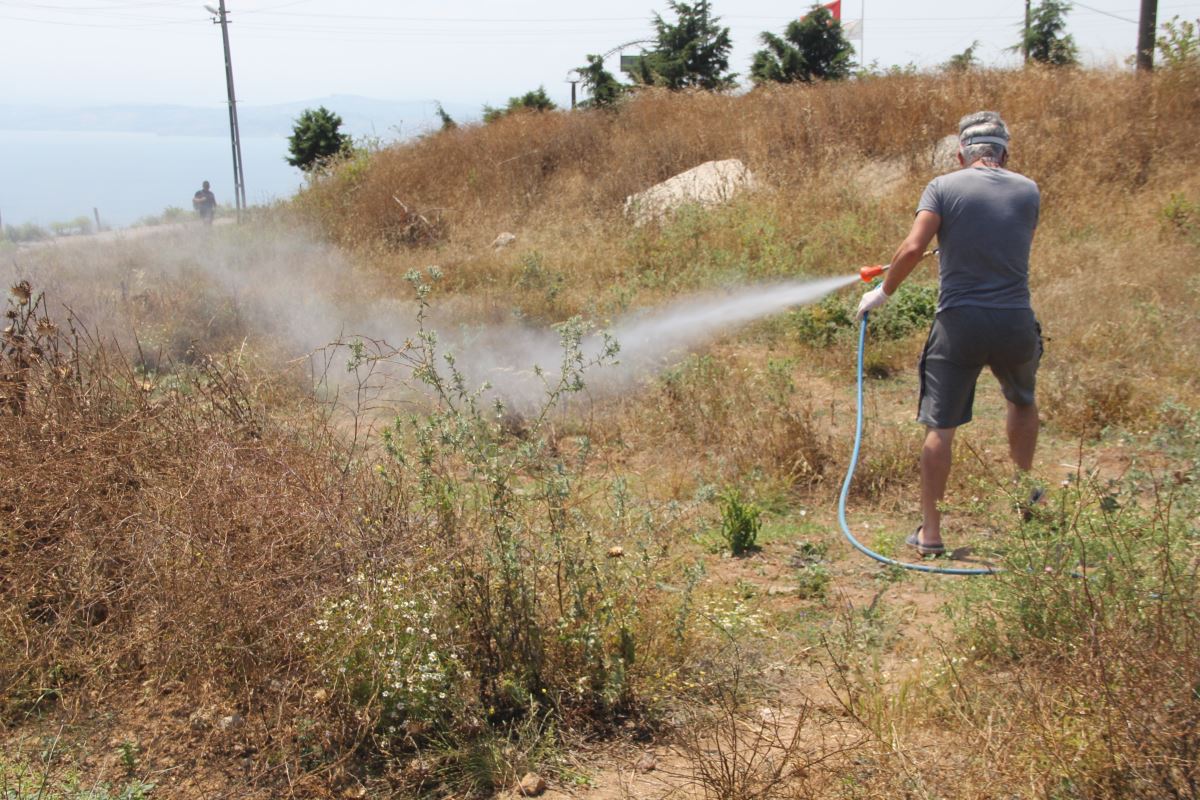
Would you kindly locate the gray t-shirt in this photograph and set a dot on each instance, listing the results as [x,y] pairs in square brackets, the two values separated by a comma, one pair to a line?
[988,218]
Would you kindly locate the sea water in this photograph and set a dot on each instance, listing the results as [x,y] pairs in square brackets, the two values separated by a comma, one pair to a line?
[56,176]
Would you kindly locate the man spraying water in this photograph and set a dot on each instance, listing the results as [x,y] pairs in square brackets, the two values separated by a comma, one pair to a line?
[984,217]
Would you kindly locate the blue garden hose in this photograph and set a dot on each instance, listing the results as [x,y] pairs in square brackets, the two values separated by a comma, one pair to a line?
[858,429]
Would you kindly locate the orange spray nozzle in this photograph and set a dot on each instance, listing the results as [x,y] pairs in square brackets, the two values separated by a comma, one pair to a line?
[867,273]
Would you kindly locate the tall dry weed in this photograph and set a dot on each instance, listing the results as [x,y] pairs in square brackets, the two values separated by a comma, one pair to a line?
[164,530]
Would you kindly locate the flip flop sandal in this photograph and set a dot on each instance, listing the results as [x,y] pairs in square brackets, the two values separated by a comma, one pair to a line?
[914,541]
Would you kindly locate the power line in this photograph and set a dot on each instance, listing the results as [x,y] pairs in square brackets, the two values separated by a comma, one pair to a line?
[1105,13]
[69,24]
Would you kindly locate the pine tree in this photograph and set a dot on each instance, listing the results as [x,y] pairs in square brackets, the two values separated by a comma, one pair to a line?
[691,52]
[316,137]
[602,85]
[448,123]
[1045,42]
[964,61]
[812,48]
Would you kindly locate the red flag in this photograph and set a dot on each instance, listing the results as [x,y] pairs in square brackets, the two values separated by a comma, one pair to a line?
[834,10]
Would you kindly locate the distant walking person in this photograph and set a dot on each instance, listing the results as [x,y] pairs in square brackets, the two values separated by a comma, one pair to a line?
[984,217]
[205,204]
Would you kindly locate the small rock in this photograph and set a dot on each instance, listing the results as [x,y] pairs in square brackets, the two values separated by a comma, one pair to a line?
[320,696]
[353,792]
[504,240]
[772,591]
[200,720]
[231,722]
[616,552]
[418,770]
[647,763]
[531,785]
[415,728]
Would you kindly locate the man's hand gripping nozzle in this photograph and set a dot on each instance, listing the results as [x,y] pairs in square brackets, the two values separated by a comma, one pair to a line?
[877,296]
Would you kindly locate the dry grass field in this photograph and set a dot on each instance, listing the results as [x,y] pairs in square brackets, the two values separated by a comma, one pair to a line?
[260,538]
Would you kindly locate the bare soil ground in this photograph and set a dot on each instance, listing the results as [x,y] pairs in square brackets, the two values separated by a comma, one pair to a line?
[189,748]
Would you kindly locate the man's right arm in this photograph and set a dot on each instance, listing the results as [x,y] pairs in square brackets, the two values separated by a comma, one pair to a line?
[910,251]
[907,256]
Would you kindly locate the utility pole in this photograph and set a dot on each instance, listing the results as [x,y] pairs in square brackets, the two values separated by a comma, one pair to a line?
[573,83]
[1025,39]
[239,176]
[1145,45]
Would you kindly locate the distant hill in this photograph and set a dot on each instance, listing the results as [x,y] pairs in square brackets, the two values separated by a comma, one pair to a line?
[363,116]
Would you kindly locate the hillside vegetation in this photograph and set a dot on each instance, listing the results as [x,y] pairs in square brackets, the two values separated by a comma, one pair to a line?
[226,572]
[843,165]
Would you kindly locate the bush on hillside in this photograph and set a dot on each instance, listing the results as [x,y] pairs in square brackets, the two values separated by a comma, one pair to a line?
[316,138]
[910,310]
[536,100]
[26,232]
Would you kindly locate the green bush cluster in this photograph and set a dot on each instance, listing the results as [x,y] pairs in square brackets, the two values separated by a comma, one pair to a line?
[911,309]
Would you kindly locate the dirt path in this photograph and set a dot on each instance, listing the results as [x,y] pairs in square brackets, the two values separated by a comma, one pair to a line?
[120,234]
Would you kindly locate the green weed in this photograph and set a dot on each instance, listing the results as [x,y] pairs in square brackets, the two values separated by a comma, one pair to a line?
[1182,215]
[740,523]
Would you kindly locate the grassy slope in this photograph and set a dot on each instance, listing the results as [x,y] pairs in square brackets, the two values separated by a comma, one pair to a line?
[171,561]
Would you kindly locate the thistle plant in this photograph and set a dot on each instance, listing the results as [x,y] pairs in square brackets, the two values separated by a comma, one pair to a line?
[539,568]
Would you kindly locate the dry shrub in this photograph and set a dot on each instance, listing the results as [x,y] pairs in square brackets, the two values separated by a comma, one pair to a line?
[750,418]
[1089,684]
[889,461]
[1085,405]
[739,749]
[193,528]
[412,227]
[162,529]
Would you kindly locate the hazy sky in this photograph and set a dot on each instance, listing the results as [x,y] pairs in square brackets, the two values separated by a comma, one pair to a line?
[85,52]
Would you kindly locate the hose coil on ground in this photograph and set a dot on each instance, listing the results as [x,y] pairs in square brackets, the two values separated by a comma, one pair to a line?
[858,429]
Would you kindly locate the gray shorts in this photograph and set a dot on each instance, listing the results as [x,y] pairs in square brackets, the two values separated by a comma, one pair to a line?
[962,341]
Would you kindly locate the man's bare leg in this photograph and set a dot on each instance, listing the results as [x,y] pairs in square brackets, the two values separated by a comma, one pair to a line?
[935,471]
[1022,427]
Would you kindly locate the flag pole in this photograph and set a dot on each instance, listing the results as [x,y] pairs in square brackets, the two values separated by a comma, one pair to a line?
[862,33]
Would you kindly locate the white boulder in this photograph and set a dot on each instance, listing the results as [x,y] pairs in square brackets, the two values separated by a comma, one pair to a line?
[944,155]
[710,184]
